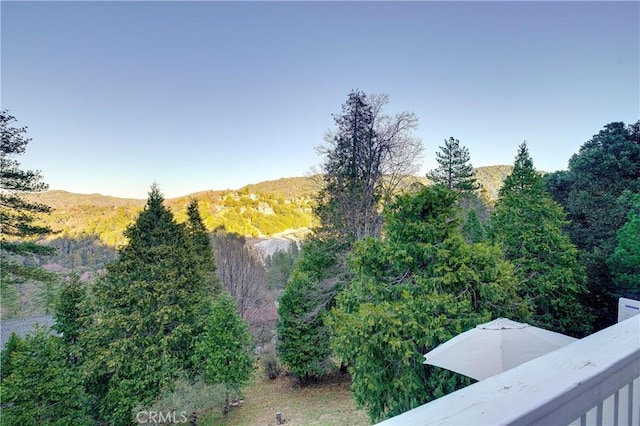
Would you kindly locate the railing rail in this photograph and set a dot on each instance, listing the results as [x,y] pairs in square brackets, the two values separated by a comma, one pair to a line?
[593,381]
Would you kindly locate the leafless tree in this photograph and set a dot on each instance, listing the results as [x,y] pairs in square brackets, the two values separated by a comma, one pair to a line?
[242,274]
[366,159]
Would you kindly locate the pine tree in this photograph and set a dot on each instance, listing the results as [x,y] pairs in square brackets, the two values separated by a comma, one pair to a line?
[40,386]
[308,296]
[420,286]
[149,308]
[347,205]
[18,226]
[14,344]
[223,352]
[71,316]
[202,245]
[594,193]
[368,157]
[528,225]
[69,309]
[472,229]
[454,169]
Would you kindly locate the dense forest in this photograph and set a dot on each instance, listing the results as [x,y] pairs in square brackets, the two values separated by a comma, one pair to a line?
[159,302]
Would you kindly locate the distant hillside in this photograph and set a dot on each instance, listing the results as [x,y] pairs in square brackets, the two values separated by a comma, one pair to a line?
[492,178]
[294,187]
[258,210]
[64,200]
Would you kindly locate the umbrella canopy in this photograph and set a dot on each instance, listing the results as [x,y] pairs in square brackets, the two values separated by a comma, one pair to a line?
[494,347]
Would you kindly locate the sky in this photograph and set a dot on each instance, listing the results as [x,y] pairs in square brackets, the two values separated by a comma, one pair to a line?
[217,95]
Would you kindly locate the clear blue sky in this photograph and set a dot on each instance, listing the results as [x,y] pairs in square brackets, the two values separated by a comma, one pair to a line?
[216,95]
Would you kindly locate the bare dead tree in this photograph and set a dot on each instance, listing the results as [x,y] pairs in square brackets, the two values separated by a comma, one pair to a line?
[241,273]
[403,152]
[366,158]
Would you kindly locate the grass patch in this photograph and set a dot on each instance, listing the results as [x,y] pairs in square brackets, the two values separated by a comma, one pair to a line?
[328,403]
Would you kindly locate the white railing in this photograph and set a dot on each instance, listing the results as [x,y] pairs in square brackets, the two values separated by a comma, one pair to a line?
[593,381]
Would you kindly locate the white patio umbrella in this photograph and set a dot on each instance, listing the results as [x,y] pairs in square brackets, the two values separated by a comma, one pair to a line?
[494,347]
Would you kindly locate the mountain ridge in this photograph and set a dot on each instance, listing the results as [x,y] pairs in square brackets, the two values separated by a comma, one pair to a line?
[263,209]
[302,186]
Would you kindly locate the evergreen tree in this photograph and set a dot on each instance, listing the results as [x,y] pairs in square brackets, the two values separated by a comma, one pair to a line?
[14,344]
[223,352]
[318,276]
[69,309]
[71,316]
[594,192]
[149,308]
[280,266]
[18,225]
[347,205]
[202,245]
[472,230]
[368,157]
[528,225]
[417,288]
[40,386]
[624,263]
[454,170]
[370,154]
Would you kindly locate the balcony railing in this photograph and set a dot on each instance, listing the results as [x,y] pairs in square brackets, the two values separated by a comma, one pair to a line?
[593,381]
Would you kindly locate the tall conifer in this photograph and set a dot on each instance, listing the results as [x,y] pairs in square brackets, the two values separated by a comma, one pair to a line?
[454,169]
[528,225]
[417,288]
[202,246]
[18,213]
[148,311]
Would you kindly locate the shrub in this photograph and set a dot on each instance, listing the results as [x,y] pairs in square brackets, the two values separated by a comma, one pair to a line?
[185,400]
[271,365]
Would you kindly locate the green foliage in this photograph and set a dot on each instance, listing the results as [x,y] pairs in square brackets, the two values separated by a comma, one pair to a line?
[223,352]
[40,386]
[624,263]
[369,157]
[17,214]
[528,225]
[347,202]
[26,288]
[271,365]
[491,178]
[258,213]
[416,289]
[185,397]
[18,218]
[280,266]
[472,230]
[454,169]
[595,194]
[149,309]
[201,245]
[14,344]
[319,274]
[69,310]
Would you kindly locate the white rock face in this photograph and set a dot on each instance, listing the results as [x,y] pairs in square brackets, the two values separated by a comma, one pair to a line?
[268,247]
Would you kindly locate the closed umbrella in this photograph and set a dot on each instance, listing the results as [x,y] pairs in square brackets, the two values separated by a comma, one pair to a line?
[494,347]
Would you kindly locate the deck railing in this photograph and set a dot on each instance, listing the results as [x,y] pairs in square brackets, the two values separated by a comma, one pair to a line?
[593,381]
